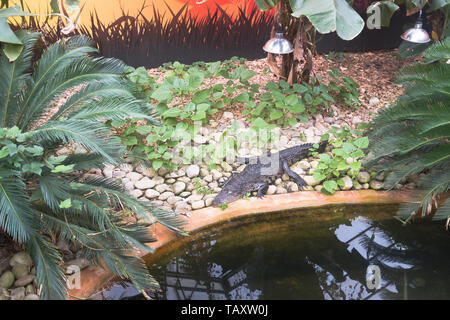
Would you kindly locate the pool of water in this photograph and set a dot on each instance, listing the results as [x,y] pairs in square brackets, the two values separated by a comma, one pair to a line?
[347,252]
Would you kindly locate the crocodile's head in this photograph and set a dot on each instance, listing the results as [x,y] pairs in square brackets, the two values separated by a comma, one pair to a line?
[228,194]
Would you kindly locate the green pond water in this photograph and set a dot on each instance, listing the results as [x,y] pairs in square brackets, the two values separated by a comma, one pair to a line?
[346,252]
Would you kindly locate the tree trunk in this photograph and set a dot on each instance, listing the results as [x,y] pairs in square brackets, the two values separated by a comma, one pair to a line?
[297,66]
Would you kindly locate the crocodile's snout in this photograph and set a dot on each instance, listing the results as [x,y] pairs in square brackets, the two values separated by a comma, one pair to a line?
[225,196]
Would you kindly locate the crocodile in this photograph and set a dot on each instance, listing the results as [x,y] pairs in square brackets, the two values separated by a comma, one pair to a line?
[262,171]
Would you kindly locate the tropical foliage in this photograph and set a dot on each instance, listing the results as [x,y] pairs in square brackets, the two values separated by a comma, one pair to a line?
[190,95]
[412,135]
[45,195]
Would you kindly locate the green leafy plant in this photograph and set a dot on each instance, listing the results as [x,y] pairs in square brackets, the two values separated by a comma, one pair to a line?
[198,102]
[345,88]
[286,105]
[343,160]
[43,195]
[412,135]
[199,187]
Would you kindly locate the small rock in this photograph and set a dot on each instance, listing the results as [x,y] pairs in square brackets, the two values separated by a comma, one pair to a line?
[365,186]
[170,181]
[195,197]
[20,270]
[162,171]
[148,172]
[158,180]
[376,185]
[298,171]
[165,195]
[186,180]
[6,280]
[173,200]
[185,194]
[25,280]
[318,187]
[292,186]
[193,171]
[18,293]
[198,204]
[363,177]
[21,258]
[32,296]
[108,172]
[129,185]
[29,289]
[228,115]
[213,185]
[208,202]
[163,187]
[182,207]
[4,294]
[157,202]
[311,181]
[226,167]
[117,174]
[348,183]
[199,139]
[136,193]
[272,189]
[145,183]
[216,174]
[204,172]
[374,101]
[381,176]
[278,181]
[305,165]
[281,190]
[208,178]
[151,194]
[314,164]
[178,187]
[126,167]
[285,177]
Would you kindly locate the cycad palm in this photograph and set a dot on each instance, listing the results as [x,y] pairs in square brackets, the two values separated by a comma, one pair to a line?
[413,134]
[30,204]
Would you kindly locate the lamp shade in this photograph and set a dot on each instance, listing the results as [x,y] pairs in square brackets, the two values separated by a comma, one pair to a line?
[278,45]
[416,34]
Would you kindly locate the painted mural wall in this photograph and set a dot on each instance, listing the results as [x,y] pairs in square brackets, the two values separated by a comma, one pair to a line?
[152,32]
[110,10]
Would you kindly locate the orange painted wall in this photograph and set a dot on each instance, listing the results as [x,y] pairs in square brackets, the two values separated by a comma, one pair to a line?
[110,10]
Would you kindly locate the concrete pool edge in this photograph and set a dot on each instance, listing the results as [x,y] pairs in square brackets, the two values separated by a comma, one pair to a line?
[93,277]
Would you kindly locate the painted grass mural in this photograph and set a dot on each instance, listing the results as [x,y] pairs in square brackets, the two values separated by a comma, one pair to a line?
[150,33]
[109,11]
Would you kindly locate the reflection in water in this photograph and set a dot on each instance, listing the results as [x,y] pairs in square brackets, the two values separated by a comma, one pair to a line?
[295,260]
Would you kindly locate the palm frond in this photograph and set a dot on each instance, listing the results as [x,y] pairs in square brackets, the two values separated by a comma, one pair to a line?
[16,213]
[413,134]
[47,261]
[91,135]
[79,71]
[142,208]
[14,75]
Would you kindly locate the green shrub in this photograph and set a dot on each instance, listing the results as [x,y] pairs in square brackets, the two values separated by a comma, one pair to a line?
[343,160]
[197,99]
[412,135]
[43,195]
